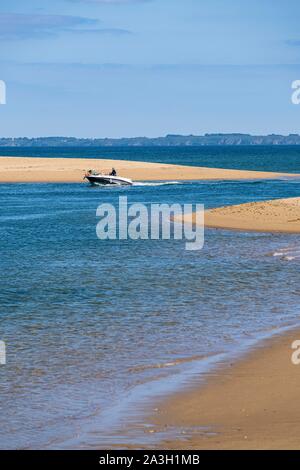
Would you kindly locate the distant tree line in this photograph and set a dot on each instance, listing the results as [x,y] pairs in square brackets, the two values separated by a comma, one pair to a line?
[170,140]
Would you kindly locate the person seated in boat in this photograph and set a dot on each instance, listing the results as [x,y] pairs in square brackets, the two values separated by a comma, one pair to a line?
[113,172]
[90,173]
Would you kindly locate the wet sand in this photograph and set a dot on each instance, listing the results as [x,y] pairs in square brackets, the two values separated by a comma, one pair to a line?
[251,404]
[279,215]
[71,170]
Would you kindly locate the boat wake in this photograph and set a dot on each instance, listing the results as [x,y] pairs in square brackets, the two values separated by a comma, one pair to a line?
[288,254]
[162,183]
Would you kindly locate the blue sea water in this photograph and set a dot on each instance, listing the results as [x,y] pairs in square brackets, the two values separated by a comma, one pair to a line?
[88,324]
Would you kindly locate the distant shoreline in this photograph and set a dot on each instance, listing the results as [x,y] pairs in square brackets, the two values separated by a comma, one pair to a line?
[170,140]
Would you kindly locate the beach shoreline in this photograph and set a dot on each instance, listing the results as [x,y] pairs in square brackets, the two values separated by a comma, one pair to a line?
[278,215]
[273,216]
[72,170]
[247,403]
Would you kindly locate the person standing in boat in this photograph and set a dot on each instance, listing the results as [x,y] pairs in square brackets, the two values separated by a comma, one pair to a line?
[113,172]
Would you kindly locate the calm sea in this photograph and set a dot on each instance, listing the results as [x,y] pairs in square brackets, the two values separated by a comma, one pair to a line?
[93,328]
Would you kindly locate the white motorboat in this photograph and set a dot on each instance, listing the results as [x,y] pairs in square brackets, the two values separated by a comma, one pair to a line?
[104,180]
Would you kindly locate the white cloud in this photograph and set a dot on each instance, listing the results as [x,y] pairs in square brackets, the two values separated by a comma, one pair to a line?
[24,26]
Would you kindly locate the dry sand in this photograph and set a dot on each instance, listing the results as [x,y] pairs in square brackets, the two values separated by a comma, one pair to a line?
[279,215]
[26,169]
[253,404]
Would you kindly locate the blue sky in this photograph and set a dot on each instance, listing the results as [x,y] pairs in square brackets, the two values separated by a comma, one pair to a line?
[96,68]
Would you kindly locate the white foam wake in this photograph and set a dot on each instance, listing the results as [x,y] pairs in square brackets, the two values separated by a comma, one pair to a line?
[164,183]
[289,253]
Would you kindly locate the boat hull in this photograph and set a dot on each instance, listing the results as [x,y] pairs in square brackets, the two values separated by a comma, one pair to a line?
[107,180]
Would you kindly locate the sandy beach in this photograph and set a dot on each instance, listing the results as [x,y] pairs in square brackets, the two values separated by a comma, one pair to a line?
[251,404]
[71,170]
[279,215]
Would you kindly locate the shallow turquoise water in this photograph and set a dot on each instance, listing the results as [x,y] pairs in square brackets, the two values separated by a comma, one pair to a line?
[88,322]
